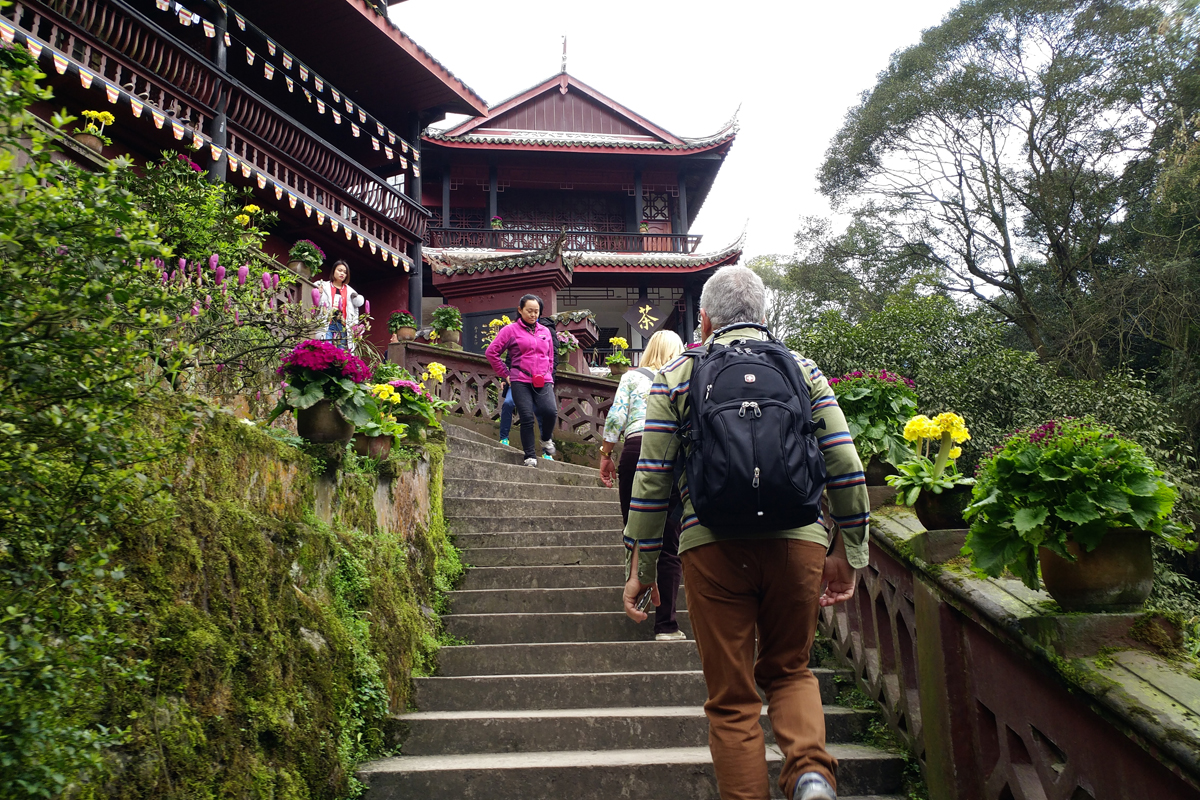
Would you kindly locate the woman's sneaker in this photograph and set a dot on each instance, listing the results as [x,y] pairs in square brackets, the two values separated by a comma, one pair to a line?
[504,442]
[548,447]
[531,462]
[670,637]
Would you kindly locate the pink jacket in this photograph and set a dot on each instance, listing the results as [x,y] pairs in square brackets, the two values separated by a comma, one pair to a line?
[530,353]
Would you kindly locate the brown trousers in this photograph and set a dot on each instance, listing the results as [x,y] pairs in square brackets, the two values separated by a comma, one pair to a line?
[735,588]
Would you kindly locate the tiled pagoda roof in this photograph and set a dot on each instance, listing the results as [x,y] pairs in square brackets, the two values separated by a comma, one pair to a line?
[468,261]
[574,139]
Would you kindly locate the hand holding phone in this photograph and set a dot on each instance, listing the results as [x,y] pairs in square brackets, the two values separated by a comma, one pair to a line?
[643,600]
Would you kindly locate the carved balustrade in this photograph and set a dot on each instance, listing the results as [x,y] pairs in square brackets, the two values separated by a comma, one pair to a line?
[992,714]
[590,241]
[474,390]
[126,50]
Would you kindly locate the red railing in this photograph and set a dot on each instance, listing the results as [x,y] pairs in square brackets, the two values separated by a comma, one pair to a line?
[530,239]
[474,390]
[990,714]
[127,51]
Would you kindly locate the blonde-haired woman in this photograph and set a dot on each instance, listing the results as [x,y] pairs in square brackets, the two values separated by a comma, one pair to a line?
[628,417]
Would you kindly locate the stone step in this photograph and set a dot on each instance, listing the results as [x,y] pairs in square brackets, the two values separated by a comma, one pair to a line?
[482,487]
[544,556]
[507,456]
[540,601]
[469,541]
[589,626]
[535,577]
[556,657]
[468,433]
[643,773]
[432,733]
[573,690]
[469,469]
[490,522]
[533,510]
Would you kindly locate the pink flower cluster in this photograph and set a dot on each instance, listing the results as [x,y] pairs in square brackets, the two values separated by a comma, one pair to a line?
[321,356]
[416,388]
[882,375]
[182,157]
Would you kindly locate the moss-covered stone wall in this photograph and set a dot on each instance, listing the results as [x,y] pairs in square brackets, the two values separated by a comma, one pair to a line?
[281,608]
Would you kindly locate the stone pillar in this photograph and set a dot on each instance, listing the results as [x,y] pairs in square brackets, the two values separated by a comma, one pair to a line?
[416,289]
[689,312]
[218,170]
[635,338]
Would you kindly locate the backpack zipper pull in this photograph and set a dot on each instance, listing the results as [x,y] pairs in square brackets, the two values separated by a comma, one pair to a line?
[754,483]
[707,391]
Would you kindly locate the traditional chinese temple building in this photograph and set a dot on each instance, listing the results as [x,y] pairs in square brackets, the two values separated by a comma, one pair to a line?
[563,192]
[317,105]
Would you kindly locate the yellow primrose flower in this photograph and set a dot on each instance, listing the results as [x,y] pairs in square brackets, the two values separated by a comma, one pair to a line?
[251,209]
[437,371]
[955,452]
[619,342]
[952,424]
[242,219]
[424,377]
[917,428]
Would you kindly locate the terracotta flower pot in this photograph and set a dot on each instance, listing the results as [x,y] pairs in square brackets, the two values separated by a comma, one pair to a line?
[89,140]
[617,370]
[939,512]
[376,447]
[877,469]
[450,337]
[322,422]
[407,334]
[1117,576]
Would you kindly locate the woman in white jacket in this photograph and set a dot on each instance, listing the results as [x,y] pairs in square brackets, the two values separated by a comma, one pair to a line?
[341,303]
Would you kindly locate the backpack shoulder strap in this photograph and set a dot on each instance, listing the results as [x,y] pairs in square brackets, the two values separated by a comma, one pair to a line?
[644,371]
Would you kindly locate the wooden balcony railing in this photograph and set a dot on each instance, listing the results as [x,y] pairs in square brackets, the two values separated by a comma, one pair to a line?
[470,384]
[126,49]
[529,239]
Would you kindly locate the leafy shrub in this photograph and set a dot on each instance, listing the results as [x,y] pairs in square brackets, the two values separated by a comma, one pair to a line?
[1062,481]
[447,318]
[876,405]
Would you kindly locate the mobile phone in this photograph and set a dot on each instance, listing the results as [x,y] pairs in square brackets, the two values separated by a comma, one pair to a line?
[643,601]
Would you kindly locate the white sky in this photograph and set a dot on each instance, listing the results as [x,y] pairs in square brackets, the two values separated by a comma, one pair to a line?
[794,67]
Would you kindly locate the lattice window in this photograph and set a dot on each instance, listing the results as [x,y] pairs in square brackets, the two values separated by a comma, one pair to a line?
[657,206]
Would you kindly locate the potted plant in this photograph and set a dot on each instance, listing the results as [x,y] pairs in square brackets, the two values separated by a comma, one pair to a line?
[643,227]
[448,323]
[92,133]
[410,403]
[305,258]
[375,437]
[1082,502]
[876,405]
[321,384]
[565,343]
[618,362]
[488,336]
[929,480]
[403,326]
[497,223]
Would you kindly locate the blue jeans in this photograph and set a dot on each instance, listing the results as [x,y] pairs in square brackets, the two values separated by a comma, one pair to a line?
[506,412]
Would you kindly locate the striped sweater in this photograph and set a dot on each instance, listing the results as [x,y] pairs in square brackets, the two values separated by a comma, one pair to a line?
[667,409]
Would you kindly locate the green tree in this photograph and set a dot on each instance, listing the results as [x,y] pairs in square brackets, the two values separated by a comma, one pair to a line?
[1003,149]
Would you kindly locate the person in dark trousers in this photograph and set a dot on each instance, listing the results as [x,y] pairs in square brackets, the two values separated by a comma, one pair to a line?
[627,417]
[530,349]
[753,599]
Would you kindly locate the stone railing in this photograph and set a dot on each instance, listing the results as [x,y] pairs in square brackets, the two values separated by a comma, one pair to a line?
[1002,698]
[474,390]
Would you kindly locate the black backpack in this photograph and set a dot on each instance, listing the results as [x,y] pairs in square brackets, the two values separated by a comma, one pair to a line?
[752,458]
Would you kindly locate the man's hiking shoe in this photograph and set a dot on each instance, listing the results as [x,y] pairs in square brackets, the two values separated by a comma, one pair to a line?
[504,442]
[812,786]
[670,637]
[531,462]
[548,447]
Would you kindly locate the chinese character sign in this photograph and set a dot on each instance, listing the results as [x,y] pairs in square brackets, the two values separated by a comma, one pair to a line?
[645,318]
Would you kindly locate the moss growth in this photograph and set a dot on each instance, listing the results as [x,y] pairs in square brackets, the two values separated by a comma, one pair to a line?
[277,644]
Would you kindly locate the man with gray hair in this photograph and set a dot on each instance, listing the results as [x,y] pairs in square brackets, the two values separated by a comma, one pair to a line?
[739,583]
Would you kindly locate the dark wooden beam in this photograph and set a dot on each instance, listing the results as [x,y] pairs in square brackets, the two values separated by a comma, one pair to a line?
[491,192]
[416,287]
[637,199]
[683,210]
[446,197]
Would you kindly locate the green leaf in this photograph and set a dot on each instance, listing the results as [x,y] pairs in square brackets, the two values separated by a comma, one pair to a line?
[1077,508]
[1142,484]
[1026,519]
[1027,461]
[1110,497]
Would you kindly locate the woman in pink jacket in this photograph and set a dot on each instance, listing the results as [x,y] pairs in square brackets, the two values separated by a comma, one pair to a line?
[530,347]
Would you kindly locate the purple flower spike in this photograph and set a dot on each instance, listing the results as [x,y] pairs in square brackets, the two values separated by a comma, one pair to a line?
[271,304]
[237,320]
[174,275]
[165,277]
[220,275]
[275,280]
[207,300]
[367,307]
[243,273]
[212,261]
[195,309]
[316,296]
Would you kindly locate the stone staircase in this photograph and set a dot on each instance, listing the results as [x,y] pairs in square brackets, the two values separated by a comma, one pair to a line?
[559,694]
